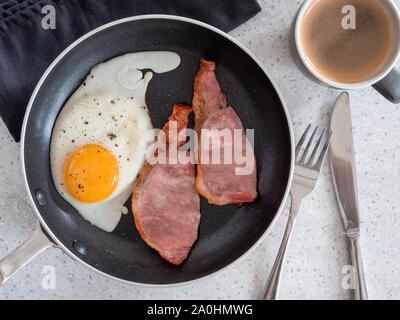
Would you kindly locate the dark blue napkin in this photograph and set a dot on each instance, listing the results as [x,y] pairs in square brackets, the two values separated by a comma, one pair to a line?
[26,49]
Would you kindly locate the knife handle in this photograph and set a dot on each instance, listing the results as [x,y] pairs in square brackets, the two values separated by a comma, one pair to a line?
[360,290]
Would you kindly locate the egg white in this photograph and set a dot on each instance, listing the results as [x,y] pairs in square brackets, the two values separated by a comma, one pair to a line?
[109,109]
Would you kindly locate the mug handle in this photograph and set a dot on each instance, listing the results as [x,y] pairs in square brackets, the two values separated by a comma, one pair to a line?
[24,253]
[389,86]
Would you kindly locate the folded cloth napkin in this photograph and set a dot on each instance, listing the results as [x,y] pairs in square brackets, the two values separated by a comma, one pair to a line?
[26,49]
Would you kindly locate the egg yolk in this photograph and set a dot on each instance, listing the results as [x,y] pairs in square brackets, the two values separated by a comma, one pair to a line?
[91,173]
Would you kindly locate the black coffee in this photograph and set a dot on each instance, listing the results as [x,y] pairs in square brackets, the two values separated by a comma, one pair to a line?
[347,55]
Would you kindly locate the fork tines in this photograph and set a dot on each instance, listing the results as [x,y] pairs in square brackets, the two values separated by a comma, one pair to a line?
[311,161]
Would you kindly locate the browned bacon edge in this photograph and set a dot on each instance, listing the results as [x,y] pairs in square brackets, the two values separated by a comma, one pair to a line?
[200,116]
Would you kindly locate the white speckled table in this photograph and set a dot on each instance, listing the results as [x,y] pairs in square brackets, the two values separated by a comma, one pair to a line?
[317,251]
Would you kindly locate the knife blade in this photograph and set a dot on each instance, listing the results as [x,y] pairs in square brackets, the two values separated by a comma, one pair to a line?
[343,167]
[343,164]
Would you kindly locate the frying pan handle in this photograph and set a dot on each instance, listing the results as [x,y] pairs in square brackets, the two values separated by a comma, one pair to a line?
[39,242]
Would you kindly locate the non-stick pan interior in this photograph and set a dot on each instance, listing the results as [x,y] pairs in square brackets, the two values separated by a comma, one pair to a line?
[226,232]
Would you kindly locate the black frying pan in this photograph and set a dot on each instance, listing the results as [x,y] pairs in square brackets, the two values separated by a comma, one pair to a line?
[226,232]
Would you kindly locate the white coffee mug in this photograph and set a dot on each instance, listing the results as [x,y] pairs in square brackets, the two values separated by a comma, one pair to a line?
[386,82]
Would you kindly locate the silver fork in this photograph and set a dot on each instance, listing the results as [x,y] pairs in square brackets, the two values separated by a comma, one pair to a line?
[305,179]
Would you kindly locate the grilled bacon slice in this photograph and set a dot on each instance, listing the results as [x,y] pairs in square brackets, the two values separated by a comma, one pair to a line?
[166,206]
[220,183]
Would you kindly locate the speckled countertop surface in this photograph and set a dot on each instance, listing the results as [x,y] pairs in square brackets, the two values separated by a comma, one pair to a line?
[317,251]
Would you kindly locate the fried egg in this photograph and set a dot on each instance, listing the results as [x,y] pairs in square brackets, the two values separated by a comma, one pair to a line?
[100,137]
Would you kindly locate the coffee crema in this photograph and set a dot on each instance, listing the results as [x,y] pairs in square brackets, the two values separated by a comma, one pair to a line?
[347,55]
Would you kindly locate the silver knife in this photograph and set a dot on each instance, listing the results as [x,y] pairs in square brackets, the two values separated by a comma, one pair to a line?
[345,183]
